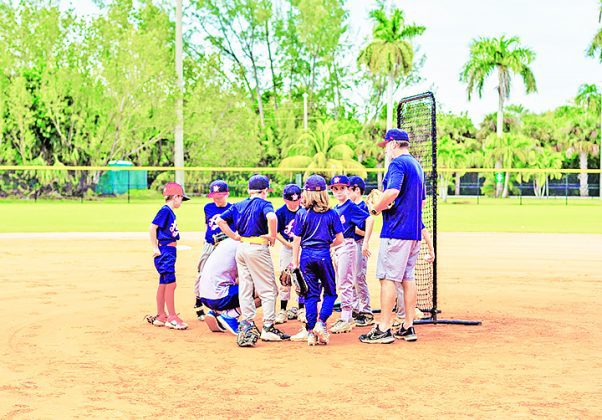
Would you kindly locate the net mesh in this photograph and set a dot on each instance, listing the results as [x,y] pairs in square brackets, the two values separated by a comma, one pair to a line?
[417,116]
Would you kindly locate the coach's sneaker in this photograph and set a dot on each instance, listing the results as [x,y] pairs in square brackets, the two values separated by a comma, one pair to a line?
[376,336]
[364,320]
[176,323]
[213,323]
[228,323]
[156,320]
[292,313]
[341,326]
[301,317]
[281,317]
[321,333]
[271,333]
[311,339]
[406,334]
[302,335]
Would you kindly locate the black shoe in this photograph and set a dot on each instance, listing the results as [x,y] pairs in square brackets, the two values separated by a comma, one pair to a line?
[364,320]
[407,335]
[271,333]
[200,313]
[376,336]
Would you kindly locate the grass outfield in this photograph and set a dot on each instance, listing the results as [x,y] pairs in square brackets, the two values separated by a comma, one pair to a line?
[457,215]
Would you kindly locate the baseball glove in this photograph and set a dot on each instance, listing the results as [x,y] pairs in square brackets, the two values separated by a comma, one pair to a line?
[218,237]
[299,282]
[285,277]
[373,198]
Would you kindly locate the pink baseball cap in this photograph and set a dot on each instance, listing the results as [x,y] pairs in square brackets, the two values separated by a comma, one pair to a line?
[173,188]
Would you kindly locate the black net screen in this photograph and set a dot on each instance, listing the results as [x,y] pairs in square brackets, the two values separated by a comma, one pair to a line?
[417,116]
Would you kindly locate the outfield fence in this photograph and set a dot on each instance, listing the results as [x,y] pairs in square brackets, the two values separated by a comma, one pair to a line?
[137,183]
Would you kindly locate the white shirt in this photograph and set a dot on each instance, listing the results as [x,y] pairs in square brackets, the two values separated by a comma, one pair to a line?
[219,272]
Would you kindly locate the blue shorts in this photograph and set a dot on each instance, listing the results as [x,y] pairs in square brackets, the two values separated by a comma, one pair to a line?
[230,301]
[166,264]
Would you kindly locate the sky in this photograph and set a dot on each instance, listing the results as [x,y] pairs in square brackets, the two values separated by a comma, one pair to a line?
[558,31]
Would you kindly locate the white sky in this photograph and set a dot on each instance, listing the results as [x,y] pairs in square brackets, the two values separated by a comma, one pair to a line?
[557,30]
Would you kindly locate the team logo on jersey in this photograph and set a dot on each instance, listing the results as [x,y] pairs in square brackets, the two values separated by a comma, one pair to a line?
[213,222]
[174,229]
[288,230]
[342,218]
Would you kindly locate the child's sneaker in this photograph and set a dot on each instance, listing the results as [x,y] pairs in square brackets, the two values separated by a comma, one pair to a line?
[156,320]
[311,339]
[271,333]
[281,317]
[213,323]
[229,323]
[176,323]
[341,326]
[302,335]
[292,313]
[321,333]
[301,316]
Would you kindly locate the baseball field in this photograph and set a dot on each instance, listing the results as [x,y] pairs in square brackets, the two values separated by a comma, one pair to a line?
[75,343]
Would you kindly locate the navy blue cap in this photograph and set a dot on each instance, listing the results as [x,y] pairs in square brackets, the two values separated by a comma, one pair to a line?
[394,134]
[291,192]
[356,181]
[339,180]
[259,182]
[315,183]
[217,188]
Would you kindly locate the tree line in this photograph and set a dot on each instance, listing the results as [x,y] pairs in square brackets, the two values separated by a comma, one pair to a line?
[86,90]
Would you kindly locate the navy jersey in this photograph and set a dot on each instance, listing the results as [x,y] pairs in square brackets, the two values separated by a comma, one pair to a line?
[404,219]
[317,230]
[167,229]
[351,216]
[362,205]
[212,211]
[249,216]
[286,221]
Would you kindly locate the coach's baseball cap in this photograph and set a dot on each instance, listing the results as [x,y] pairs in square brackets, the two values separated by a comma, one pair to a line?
[356,181]
[218,188]
[291,192]
[173,188]
[315,183]
[338,180]
[394,134]
[259,182]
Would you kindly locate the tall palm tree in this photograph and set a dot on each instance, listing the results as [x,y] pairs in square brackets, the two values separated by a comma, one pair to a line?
[507,57]
[322,148]
[390,53]
[595,47]
[450,154]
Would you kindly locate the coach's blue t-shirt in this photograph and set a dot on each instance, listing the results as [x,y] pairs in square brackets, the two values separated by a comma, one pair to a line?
[286,221]
[167,229]
[351,216]
[317,230]
[212,211]
[249,216]
[404,219]
[362,205]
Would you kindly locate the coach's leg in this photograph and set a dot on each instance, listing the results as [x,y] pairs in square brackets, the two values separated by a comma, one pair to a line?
[410,291]
[387,301]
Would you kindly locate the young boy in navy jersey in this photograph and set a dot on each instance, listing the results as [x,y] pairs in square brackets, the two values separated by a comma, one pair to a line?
[218,192]
[362,312]
[286,219]
[164,235]
[352,217]
[256,226]
[317,229]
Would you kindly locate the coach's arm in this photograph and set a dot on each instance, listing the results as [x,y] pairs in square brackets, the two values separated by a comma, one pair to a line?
[388,197]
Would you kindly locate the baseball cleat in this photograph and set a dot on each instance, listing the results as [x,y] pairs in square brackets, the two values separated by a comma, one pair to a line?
[341,326]
[311,339]
[292,313]
[228,323]
[271,333]
[281,317]
[302,335]
[213,323]
[364,320]
[248,334]
[321,333]
[376,336]
[175,323]
[301,317]
[407,335]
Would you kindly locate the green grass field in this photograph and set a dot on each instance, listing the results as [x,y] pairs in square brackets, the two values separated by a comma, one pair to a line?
[457,215]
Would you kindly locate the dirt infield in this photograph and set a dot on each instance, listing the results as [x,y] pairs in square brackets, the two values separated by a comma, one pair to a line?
[74,343]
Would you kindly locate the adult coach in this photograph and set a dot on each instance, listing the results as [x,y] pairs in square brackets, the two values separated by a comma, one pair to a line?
[400,236]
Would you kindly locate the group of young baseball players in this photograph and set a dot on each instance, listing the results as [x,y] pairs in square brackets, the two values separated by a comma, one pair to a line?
[330,246]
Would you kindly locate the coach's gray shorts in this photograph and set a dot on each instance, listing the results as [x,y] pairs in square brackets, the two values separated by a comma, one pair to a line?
[397,259]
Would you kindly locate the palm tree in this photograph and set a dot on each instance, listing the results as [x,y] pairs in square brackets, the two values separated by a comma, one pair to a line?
[508,149]
[450,154]
[390,53]
[542,157]
[595,47]
[322,148]
[507,57]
